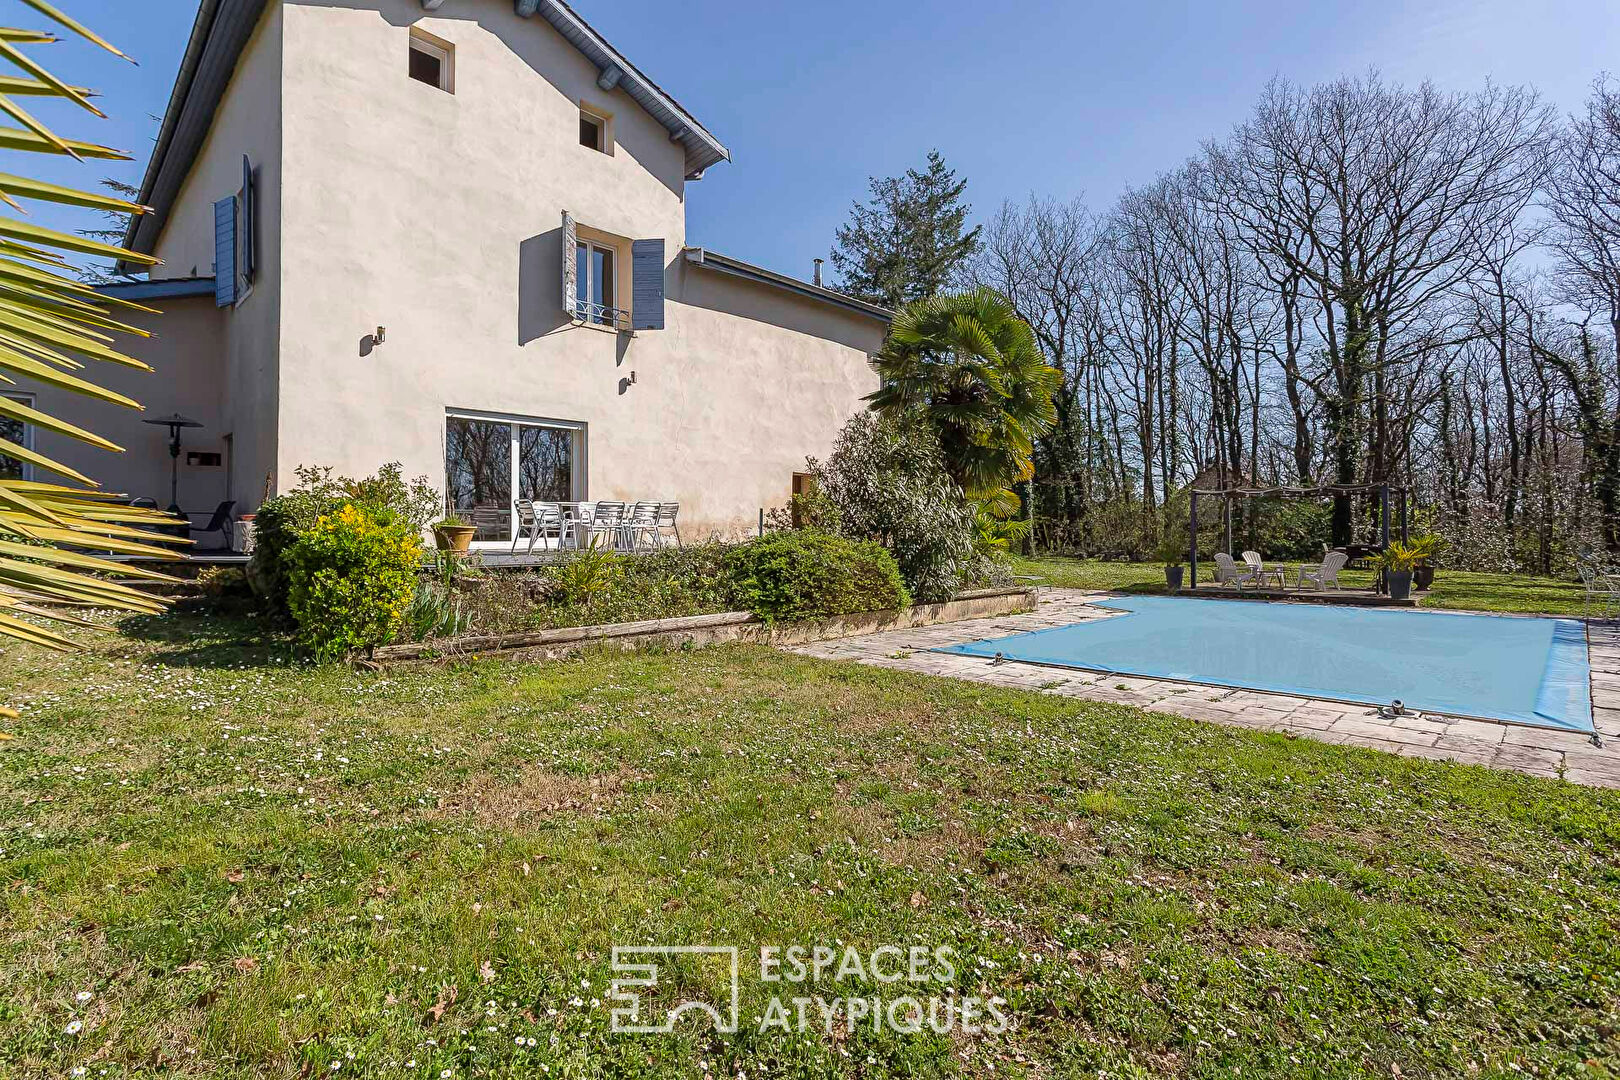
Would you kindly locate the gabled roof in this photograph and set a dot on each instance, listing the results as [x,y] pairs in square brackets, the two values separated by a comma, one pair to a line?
[702,148]
[222,29]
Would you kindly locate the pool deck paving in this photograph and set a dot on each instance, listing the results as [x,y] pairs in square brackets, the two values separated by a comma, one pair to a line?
[1536,751]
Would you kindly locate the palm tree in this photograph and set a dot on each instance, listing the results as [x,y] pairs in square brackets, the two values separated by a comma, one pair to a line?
[968,366]
[52,326]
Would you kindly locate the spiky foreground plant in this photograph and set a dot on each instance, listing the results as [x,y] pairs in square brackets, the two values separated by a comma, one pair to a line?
[53,326]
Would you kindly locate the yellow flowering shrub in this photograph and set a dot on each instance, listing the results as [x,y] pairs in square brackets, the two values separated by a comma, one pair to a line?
[350,580]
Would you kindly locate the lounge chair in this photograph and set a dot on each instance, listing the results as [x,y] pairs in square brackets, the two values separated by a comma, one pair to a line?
[1227,572]
[1257,566]
[1327,574]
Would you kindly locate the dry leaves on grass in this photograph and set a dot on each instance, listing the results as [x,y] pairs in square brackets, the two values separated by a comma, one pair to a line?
[537,793]
[447,998]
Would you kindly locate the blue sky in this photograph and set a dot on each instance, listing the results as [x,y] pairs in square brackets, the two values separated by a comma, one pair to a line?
[1056,98]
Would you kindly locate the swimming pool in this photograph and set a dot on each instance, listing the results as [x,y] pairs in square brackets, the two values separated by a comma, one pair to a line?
[1520,670]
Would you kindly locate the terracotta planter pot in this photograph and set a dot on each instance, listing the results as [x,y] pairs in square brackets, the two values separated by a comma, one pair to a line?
[457,538]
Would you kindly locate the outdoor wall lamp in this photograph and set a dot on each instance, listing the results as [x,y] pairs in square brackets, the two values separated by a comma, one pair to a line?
[380,336]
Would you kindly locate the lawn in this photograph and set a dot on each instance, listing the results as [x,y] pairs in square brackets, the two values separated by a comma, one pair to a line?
[220,863]
[1454,589]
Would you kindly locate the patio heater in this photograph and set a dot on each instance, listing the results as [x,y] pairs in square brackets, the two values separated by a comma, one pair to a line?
[174,423]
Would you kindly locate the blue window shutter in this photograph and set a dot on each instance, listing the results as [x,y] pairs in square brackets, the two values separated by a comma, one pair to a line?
[225,252]
[570,239]
[647,284]
[245,262]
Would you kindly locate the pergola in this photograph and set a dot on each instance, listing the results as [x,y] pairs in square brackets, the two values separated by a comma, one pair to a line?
[1383,491]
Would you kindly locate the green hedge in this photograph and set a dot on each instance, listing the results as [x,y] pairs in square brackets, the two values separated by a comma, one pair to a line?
[806,575]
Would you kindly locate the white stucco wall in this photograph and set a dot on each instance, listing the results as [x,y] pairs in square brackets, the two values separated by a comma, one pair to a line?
[438,216]
[248,122]
[187,378]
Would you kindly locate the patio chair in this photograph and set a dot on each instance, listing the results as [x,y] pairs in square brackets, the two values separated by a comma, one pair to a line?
[219,522]
[642,525]
[548,522]
[1326,574]
[1257,566]
[490,521]
[607,519]
[523,512]
[1601,584]
[1228,573]
[667,512]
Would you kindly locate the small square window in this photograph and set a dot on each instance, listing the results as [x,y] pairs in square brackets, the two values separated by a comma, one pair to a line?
[432,61]
[593,131]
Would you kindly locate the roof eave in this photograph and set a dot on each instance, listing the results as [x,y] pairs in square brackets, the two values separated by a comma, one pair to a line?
[702,148]
[218,36]
[725,264]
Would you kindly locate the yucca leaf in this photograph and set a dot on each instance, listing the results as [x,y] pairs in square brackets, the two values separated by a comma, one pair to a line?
[33,457]
[39,234]
[13,360]
[14,627]
[39,189]
[50,12]
[27,37]
[18,139]
[38,71]
[26,119]
[20,84]
[92,540]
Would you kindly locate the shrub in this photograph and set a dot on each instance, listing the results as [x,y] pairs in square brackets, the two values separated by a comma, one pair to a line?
[350,579]
[887,480]
[435,611]
[585,575]
[664,583]
[801,575]
[283,519]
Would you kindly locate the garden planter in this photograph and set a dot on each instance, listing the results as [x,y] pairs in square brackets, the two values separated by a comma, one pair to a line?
[1400,584]
[457,538]
[1172,576]
[1422,577]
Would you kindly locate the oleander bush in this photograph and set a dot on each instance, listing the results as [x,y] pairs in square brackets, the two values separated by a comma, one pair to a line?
[886,482]
[351,578]
[806,574]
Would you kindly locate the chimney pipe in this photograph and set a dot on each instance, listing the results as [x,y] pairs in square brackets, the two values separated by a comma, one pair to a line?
[818,263]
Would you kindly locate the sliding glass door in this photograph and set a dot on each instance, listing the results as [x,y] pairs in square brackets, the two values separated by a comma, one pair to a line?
[492,460]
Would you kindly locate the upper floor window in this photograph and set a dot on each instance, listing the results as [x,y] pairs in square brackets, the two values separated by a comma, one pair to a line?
[433,60]
[595,131]
[596,283]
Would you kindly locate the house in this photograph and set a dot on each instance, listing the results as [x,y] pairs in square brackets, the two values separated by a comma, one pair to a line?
[452,233]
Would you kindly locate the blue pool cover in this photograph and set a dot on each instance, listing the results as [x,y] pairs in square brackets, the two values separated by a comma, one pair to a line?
[1521,670]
